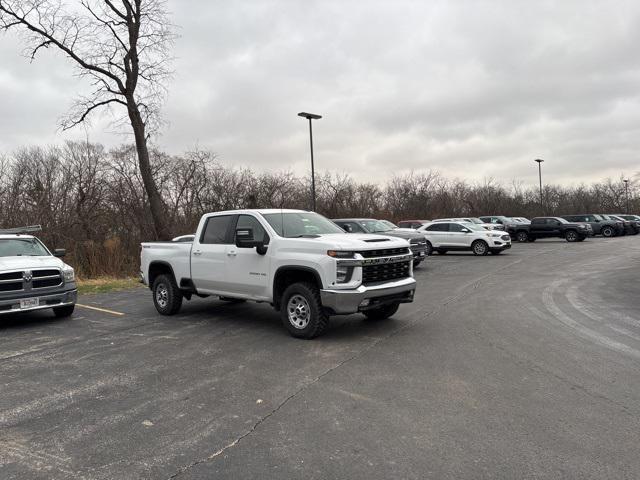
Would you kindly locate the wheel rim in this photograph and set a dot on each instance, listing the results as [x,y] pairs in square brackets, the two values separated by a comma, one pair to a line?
[162,295]
[571,236]
[479,248]
[298,311]
[522,237]
[607,232]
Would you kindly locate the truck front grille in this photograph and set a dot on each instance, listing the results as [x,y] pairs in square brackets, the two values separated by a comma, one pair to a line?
[385,271]
[11,282]
[26,280]
[46,278]
[385,252]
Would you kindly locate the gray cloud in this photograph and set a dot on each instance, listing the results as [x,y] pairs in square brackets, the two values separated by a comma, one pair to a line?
[473,89]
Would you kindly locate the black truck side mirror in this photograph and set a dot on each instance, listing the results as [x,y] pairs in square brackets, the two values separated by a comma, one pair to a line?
[244,239]
[59,252]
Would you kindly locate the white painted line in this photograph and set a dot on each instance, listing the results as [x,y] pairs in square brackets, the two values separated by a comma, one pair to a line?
[100,309]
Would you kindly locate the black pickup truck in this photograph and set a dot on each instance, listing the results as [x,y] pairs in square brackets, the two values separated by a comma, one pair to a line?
[549,227]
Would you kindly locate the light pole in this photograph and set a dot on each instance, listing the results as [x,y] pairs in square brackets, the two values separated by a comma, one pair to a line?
[539,161]
[626,192]
[311,116]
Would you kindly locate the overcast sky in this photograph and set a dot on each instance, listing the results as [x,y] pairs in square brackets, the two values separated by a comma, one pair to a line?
[472,89]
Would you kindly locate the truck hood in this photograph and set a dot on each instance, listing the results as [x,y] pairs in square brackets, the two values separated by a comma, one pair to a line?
[29,263]
[361,241]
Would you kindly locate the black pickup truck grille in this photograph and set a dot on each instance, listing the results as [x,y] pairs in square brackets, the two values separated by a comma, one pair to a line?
[385,252]
[384,272]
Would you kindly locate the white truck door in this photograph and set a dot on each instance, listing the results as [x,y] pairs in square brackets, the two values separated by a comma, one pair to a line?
[248,273]
[209,254]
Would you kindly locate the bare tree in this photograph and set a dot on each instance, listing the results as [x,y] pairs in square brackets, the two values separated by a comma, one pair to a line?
[121,47]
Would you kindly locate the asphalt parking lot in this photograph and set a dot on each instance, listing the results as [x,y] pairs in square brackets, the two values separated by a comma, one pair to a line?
[523,365]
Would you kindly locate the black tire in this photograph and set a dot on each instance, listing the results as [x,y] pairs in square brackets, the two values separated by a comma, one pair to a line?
[382,313]
[429,249]
[571,236]
[607,232]
[167,297]
[522,236]
[63,312]
[301,311]
[480,247]
[416,263]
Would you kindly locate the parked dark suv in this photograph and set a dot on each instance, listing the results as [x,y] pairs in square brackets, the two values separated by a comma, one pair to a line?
[606,228]
[631,226]
[634,219]
[417,242]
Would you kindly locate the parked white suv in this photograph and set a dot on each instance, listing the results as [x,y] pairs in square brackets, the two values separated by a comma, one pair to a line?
[300,262]
[444,236]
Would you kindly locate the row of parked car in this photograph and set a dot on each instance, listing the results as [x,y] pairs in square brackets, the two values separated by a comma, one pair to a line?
[492,234]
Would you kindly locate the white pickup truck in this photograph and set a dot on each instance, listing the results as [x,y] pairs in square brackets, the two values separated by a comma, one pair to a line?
[300,262]
[33,278]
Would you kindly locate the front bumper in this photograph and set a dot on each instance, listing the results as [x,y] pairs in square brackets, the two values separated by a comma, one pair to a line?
[46,300]
[368,297]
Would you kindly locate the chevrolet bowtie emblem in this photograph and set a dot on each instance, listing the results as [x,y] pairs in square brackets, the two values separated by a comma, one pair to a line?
[27,276]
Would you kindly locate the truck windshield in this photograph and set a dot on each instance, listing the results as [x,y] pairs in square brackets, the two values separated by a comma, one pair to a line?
[374,226]
[17,247]
[300,224]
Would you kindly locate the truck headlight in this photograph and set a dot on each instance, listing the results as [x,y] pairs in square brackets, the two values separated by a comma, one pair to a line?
[68,274]
[340,254]
[343,274]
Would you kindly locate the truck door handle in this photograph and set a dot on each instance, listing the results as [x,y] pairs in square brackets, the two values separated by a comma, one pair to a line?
[232,253]
[197,252]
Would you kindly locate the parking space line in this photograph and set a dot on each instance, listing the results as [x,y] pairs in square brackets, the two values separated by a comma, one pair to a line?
[120,314]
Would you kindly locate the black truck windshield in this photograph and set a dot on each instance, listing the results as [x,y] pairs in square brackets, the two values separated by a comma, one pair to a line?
[16,247]
[300,224]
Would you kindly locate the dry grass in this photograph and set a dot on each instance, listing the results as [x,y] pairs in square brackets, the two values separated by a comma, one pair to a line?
[106,284]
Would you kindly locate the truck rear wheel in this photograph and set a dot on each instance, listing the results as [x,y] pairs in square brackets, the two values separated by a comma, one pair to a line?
[302,312]
[166,295]
[382,313]
[63,312]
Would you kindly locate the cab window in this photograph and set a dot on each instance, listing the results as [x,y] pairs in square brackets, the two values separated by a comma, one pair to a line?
[216,230]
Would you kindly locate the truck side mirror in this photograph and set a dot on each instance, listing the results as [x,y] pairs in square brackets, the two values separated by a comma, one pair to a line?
[244,239]
[59,252]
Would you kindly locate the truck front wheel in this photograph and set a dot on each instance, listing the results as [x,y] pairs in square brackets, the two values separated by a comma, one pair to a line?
[166,295]
[302,313]
[382,313]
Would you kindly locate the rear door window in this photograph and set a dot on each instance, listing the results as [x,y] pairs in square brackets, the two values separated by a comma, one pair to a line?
[217,231]
[438,227]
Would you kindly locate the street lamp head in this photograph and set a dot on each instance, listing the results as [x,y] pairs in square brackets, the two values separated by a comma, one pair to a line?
[626,180]
[310,116]
[539,160]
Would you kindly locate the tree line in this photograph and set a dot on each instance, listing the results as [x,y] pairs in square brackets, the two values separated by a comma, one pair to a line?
[92,201]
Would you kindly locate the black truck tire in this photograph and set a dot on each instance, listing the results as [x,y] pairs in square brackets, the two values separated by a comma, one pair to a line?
[429,248]
[607,232]
[63,312]
[167,297]
[383,312]
[571,236]
[522,236]
[301,311]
